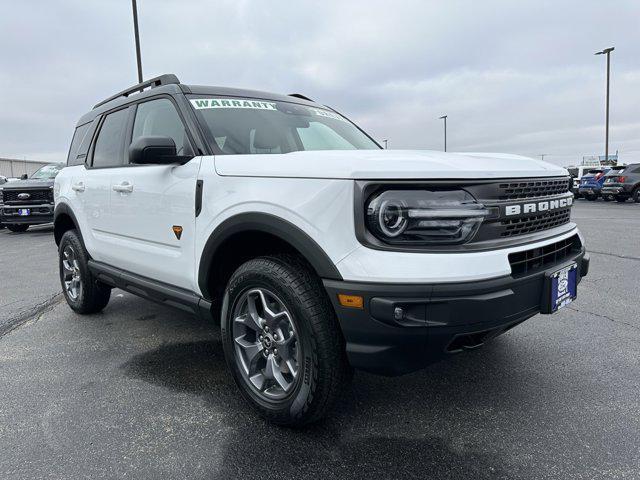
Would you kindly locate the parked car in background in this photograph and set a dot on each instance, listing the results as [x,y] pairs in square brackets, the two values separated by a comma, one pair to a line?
[591,183]
[623,183]
[28,202]
[576,175]
[3,180]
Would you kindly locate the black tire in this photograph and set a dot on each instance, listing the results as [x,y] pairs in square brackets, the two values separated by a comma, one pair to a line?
[607,198]
[92,295]
[18,228]
[323,367]
[636,195]
[621,199]
[591,198]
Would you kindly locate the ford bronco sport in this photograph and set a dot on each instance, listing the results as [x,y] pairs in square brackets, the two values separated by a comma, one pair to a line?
[316,250]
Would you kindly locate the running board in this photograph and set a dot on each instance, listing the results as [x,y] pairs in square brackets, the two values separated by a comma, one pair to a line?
[153,290]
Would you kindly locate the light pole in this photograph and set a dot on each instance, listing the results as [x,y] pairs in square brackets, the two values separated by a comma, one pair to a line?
[444,117]
[137,35]
[542,155]
[385,143]
[607,51]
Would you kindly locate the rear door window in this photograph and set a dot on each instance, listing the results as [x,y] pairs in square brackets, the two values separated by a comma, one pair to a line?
[109,146]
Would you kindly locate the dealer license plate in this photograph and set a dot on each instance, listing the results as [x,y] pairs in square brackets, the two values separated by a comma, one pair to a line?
[563,287]
[24,212]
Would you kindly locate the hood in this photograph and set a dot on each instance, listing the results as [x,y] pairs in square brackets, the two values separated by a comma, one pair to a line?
[384,164]
[17,185]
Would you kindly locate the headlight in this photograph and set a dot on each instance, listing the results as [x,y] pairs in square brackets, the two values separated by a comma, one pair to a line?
[424,217]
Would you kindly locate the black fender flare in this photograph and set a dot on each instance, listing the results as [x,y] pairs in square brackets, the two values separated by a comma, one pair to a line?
[63,209]
[271,224]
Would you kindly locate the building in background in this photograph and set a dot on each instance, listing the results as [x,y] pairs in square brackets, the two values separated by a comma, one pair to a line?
[11,167]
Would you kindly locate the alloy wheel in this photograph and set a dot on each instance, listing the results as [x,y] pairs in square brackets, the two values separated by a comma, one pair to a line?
[266,344]
[71,273]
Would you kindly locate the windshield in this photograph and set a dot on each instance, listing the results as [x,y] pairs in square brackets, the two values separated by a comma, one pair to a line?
[253,126]
[47,172]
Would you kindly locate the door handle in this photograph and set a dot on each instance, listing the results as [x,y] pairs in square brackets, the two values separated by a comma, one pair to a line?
[78,187]
[124,187]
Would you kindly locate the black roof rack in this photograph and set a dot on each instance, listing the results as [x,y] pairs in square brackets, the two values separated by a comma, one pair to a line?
[166,79]
[299,95]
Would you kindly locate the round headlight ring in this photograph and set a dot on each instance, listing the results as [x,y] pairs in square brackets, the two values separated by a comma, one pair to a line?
[392,218]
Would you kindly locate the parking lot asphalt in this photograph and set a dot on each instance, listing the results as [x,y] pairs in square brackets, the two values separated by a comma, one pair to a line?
[28,265]
[141,391]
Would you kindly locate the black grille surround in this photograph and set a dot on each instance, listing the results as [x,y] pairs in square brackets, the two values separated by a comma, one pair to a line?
[542,204]
[36,196]
[538,258]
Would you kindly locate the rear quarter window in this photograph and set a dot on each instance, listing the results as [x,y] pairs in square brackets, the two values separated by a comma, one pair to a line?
[76,141]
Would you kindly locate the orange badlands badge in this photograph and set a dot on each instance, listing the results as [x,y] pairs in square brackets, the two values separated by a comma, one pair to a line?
[177,229]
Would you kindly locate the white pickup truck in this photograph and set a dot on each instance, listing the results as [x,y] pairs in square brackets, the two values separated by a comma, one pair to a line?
[316,250]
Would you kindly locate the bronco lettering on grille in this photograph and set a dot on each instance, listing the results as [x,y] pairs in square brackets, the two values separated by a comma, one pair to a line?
[538,206]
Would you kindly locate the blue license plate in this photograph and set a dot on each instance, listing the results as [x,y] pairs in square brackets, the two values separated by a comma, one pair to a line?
[24,212]
[564,287]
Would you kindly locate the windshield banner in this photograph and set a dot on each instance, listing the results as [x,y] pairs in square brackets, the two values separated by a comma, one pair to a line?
[202,103]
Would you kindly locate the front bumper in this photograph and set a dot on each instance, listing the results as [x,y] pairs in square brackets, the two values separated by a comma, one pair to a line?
[39,214]
[437,319]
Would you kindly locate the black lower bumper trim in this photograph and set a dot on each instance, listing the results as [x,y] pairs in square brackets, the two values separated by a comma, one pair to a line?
[30,220]
[405,327]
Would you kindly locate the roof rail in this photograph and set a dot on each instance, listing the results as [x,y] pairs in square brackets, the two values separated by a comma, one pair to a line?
[299,95]
[166,79]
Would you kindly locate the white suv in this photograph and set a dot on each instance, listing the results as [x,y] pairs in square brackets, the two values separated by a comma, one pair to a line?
[316,250]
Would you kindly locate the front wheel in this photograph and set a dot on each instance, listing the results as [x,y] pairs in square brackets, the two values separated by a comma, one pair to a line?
[282,340]
[621,199]
[83,292]
[18,228]
[591,198]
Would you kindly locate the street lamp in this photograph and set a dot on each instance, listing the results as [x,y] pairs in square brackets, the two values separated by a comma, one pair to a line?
[542,155]
[607,52]
[444,117]
[385,143]
[137,35]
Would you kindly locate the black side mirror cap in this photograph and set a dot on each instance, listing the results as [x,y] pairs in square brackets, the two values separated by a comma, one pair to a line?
[24,176]
[155,150]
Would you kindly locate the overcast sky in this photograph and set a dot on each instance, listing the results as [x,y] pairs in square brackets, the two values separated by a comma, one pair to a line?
[513,76]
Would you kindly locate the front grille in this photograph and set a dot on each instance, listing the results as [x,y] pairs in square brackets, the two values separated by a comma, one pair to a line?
[535,223]
[533,188]
[537,258]
[10,197]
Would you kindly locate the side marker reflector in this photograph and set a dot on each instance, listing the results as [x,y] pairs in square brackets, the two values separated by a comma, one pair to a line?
[351,301]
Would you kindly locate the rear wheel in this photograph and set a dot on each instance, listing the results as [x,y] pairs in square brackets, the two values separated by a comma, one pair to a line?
[591,198]
[18,227]
[83,292]
[636,195]
[607,198]
[282,340]
[621,199]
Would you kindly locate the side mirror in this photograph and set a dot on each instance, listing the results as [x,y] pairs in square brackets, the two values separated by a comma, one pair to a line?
[24,176]
[155,149]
